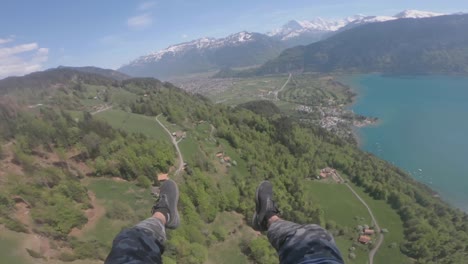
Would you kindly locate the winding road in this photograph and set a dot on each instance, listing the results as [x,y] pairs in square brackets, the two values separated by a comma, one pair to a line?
[176,145]
[377,227]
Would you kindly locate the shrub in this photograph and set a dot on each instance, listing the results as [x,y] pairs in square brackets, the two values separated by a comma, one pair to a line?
[34,254]
[120,211]
[89,249]
[67,257]
[261,251]
[143,181]
[220,233]
[14,225]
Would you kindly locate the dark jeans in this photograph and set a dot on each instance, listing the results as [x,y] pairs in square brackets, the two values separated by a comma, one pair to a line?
[143,243]
[301,244]
[295,244]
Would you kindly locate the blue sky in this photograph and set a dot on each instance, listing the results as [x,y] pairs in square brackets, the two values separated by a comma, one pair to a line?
[41,34]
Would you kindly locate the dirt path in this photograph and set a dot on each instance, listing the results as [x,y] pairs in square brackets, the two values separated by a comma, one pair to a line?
[211,132]
[105,108]
[282,88]
[374,220]
[176,145]
[93,215]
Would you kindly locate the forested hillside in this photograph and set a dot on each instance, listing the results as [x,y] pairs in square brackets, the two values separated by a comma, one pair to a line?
[407,46]
[268,146]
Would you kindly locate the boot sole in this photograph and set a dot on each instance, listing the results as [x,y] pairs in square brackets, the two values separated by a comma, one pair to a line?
[257,201]
[175,221]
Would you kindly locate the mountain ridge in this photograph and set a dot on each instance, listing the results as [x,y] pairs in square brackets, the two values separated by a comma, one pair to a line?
[409,46]
[249,48]
[205,54]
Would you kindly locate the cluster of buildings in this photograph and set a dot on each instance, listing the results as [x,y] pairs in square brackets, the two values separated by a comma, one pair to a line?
[328,173]
[366,235]
[224,159]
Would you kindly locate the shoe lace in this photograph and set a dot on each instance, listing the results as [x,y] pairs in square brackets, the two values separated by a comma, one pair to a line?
[161,203]
[273,210]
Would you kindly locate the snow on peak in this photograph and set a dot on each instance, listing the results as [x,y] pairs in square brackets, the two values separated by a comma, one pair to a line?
[296,28]
[198,44]
[371,19]
[417,14]
[240,37]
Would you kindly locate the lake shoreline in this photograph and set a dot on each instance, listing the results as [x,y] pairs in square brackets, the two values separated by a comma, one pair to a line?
[412,132]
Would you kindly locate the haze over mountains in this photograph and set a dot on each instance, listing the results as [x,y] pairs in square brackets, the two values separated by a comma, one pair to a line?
[246,48]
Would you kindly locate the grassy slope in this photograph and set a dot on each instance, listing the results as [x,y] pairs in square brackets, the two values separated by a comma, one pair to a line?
[390,220]
[340,205]
[228,251]
[109,191]
[134,123]
[10,250]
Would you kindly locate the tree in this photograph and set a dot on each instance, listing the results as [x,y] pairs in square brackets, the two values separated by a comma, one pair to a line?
[261,251]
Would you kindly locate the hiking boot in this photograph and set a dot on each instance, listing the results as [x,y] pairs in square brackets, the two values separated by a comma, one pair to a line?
[167,203]
[265,207]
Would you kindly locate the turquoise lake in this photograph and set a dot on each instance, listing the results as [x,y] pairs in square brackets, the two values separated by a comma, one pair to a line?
[423,128]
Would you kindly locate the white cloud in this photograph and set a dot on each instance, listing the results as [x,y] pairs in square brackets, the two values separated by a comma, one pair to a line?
[140,22]
[21,59]
[184,36]
[146,5]
[5,40]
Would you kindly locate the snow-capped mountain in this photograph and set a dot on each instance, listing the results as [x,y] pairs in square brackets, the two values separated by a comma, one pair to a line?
[247,48]
[236,50]
[320,27]
[199,45]
[416,14]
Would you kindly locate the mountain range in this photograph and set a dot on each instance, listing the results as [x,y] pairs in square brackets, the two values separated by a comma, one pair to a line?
[404,46]
[205,54]
[246,48]
[308,31]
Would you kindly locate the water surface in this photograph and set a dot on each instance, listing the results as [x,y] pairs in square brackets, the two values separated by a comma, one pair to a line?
[423,128]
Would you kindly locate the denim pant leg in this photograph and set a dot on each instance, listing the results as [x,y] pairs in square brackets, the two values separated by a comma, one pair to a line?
[143,243]
[155,227]
[303,243]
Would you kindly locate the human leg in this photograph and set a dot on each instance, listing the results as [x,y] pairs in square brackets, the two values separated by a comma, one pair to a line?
[144,243]
[294,243]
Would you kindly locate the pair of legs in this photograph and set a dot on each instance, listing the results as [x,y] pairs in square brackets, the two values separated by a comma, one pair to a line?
[144,243]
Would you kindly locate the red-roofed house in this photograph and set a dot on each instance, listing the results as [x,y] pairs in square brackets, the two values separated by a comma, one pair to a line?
[364,239]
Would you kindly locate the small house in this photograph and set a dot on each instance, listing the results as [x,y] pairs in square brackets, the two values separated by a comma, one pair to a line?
[219,154]
[227,159]
[364,239]
[369,231]
[180,134]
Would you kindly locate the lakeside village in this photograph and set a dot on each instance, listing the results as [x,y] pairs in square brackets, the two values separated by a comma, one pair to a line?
[335,118]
